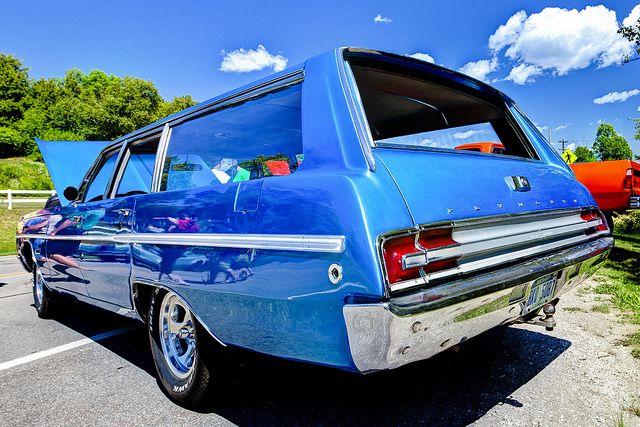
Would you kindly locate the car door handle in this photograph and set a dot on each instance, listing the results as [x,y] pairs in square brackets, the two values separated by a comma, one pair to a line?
[76,218]
[124,212]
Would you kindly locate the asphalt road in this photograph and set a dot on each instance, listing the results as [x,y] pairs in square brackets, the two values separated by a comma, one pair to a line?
[65,372]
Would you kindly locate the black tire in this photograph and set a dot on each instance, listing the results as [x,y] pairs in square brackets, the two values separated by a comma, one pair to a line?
[43,299]
[608,215]
[176,346]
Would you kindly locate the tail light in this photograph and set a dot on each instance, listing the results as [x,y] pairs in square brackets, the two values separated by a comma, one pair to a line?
[628,179]
[592,216]
[407,257]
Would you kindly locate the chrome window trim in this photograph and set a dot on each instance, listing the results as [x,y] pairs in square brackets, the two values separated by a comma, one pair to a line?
[290,79]
[356,109]
[277,242]
[160,155]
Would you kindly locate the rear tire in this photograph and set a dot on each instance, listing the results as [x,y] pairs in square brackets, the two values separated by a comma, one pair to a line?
[176,346]
[43,298]
[608,215]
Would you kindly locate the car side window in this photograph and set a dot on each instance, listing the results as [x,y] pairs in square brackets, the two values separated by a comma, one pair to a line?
[138,174]
[255,138]
[98,185]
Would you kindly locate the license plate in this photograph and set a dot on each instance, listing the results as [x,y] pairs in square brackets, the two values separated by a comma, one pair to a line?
[540,292]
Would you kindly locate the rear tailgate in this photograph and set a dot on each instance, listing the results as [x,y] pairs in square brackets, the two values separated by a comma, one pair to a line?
[474,212]
[442,186]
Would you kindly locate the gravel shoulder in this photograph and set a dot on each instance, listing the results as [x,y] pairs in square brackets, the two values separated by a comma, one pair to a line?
[592,382]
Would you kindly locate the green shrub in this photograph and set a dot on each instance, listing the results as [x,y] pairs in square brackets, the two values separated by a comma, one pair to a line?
[628,223]
[17,174]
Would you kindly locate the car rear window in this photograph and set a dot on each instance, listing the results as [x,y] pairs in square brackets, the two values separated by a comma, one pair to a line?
[412,110]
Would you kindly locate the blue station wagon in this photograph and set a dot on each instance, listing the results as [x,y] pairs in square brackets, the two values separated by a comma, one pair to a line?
[322,215]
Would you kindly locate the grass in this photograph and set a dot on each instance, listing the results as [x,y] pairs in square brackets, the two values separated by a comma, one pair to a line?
[23,174]
[8,221]
[574,309]
[19,174]
[620,276]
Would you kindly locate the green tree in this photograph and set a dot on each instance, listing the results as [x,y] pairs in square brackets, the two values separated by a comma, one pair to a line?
[178,103]
[609,145]
[584,154]
[631,33]
[14,89]
[94,106]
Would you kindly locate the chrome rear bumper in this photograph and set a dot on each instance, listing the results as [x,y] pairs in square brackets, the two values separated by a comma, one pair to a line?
[419,325]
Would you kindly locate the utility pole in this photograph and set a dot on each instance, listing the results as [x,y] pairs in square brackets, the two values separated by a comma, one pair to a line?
[562,142]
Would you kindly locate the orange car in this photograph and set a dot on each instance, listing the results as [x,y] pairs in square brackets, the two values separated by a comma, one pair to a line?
[614,184]
[484,147]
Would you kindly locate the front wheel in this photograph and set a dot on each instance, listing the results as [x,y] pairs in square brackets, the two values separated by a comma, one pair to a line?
[43,298]
[176,348]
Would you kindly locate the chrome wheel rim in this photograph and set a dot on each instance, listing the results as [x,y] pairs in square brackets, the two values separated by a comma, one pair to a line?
[38,288]
[177,335]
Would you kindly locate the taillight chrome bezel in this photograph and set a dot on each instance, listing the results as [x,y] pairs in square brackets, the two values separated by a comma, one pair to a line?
[459,247]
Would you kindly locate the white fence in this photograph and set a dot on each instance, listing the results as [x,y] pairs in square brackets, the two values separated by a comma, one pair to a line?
[10,200]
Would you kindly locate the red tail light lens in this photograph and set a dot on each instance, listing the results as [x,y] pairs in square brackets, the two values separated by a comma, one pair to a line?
[406,257]
[594,214]
[628,179]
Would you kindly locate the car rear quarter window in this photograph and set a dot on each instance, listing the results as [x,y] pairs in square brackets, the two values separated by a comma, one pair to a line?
[255,138]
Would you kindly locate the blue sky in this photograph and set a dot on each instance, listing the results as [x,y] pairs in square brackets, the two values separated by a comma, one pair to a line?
[559,61]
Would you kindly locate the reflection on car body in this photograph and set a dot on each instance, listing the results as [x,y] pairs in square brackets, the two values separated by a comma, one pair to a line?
[327,214]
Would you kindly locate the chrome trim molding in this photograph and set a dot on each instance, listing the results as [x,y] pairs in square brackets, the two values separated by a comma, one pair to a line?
[634,202]
[356,108]
[277,242]
[419,325]
[494,241]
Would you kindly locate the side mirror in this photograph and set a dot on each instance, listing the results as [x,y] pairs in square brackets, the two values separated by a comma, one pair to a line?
[70,193]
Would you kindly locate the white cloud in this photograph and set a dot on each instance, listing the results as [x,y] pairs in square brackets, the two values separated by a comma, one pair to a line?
[423,57]
[428,143]
[508,33]
[562,127]
[632,18]
[467,134]
[379,18]
[542,129]
[524,73]
[571,147]
[480,69]
[245,61]
[561,40]
[616,97]
[638,108]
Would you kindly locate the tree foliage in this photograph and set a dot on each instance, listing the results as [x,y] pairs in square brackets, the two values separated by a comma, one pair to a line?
[584,154]
[14,89]
[79,106]
[631,33]
[609,145]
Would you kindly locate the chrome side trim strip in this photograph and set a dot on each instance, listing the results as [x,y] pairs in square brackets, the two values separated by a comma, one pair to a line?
[634,202]
[277,242]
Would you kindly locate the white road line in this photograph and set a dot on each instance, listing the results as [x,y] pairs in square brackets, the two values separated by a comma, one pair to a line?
[46,353]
